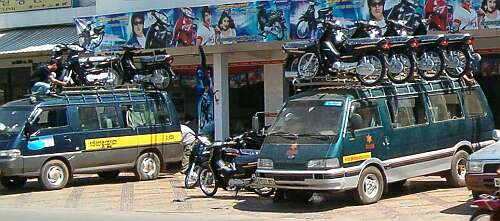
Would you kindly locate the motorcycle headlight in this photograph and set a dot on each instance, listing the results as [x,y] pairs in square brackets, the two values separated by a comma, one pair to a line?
[323,163]
[265,164]
[10,153]
[475,167]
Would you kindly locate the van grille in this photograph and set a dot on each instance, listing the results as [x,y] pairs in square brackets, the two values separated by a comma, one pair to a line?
[491,168]
[287,177]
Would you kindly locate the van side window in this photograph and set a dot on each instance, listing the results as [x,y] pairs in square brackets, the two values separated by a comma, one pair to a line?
[472,104]
[445,107]
[163,116]
[95,118]
[138,115]
[407,111]
[108,118]
[51,117]
[368,112]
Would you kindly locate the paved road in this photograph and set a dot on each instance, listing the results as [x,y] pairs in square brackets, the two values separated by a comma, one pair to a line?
[423,198]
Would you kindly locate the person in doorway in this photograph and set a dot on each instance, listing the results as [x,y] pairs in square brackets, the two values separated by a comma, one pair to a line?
[465,17]
[206,33]
[188,141]
[138,38]
[44,77]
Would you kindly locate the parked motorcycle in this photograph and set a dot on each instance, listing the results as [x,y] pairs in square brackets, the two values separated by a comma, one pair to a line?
[198,157]
[231,168]
[271,24]
[160,32]
[362,57]
[459,54]
[86,71]
[488,208]
[155,70]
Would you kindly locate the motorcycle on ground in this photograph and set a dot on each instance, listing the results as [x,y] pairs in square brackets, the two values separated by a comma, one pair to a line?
[159,34]
[231,168]
[271,24]
[488,208]
[362,57]
[86,71]
[198,157]
[156,69]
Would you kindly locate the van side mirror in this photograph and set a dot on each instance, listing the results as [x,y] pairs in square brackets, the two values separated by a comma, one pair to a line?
[355,122]
[255,123]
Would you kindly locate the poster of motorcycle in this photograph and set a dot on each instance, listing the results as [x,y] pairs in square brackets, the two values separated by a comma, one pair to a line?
[235,23]
[273,20]
[104,33]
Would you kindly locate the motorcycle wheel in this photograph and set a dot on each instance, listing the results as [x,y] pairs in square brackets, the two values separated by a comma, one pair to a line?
[264,191]
[408,69]
[308,66]
[481,215]
[208,183]
[378,73]
[162,78]
[437,69]
[302,29]
[192,177]
[463,63]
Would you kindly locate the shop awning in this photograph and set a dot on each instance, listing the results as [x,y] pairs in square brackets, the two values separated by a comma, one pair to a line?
[36,39]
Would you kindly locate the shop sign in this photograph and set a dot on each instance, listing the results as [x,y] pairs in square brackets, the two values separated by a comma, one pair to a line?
[27,5]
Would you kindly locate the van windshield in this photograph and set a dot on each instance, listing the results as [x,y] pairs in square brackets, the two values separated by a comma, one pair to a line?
[308,118]
[12,119]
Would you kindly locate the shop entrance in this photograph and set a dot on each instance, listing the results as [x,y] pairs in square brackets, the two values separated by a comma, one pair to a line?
[489,79]
[13,83]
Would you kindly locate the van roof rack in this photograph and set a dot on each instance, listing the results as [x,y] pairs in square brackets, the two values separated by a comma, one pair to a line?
[101,89]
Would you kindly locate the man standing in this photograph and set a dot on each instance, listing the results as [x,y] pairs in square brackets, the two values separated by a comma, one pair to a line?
[188,141]
[206,33]
[43,77]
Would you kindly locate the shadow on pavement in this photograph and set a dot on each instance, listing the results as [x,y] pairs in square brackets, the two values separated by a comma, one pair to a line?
[462,209]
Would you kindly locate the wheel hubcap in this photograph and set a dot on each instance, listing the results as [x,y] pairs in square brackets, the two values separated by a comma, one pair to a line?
[371,185]
[55,175]
[149,166]
[461,169]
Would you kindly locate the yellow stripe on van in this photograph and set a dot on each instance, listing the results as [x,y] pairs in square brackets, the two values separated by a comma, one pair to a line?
[132,141]
[357,157]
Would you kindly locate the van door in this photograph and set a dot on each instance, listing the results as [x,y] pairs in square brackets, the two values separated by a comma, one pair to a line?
[105,139]
[368,140]
[476,116]
[408,120]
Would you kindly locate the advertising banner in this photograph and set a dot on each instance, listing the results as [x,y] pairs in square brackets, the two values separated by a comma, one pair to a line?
[27,5]
[205,101]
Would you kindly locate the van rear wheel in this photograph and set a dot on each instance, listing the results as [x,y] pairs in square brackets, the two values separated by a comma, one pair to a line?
[13,182]
[456,175]
[109,175]
[370,186]
[54,175]
[147,166]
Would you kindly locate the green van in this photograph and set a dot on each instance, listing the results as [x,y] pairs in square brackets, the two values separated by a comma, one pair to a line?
[364,139]
[89,131]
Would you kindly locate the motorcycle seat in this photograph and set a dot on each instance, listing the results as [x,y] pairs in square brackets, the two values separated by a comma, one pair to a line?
[362,41]
[155,58]
[299,45]
[246,159]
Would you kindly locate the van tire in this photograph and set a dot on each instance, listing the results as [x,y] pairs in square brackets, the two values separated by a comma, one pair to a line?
[13,182]
[54,175]
[109,175]
[147,166]
[456,175]
[371,177]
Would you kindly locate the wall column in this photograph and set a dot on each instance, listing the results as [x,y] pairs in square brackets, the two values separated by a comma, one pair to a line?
[275,89]
[221,97]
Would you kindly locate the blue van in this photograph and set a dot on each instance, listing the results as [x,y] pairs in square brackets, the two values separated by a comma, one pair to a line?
[365,139]
[90,131]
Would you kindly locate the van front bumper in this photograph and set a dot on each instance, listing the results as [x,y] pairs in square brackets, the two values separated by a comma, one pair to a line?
[11,166]
[335,179]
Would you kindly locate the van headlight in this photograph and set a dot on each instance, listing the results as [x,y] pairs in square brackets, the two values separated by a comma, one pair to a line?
[323,163]
[474,167]
[265,164]
[10,153]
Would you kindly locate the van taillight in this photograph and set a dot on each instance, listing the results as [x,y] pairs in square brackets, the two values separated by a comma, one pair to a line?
[386,45]
[444,42]
[414,44]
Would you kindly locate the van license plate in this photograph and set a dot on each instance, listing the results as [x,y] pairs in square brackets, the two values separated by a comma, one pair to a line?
[266,181]
[497,182]
[291,74]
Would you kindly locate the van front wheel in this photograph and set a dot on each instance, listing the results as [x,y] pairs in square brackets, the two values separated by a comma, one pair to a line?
[147,166]
[13,182]
[54,175]
[456,176]
[370,186]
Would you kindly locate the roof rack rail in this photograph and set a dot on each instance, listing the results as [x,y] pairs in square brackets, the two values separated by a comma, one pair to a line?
[101,89]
